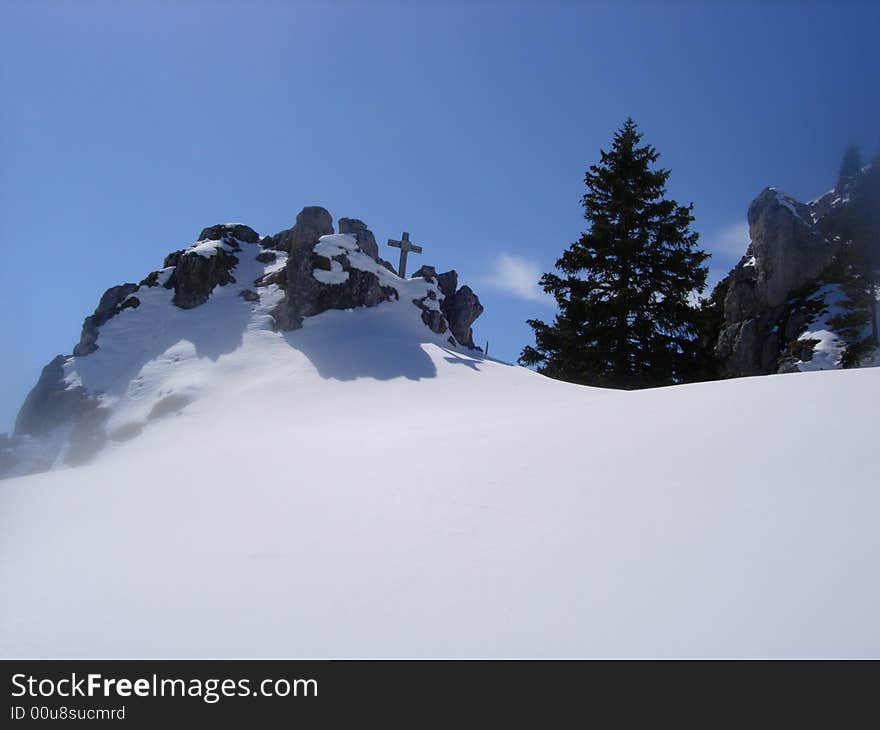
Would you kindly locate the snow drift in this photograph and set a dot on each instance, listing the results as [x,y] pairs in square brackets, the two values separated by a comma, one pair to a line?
[366,486]
[359,487]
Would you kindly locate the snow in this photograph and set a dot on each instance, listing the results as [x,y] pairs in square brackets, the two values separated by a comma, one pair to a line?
[208,249]
[751,262]
[829,348]
[361,488]
[335,276]
[336,244]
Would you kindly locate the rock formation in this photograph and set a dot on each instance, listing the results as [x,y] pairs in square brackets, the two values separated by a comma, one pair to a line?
[312,222]
[113,301]
[305,270]
[786,281]
[328,277]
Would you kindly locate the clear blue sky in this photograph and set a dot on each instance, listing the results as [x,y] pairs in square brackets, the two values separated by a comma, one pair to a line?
[127,127]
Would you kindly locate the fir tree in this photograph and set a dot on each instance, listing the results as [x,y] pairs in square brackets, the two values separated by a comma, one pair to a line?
[866,240]
[858,268]
[850,168]
[624,288]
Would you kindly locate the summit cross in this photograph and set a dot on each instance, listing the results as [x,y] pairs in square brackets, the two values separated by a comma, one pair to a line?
[405,246]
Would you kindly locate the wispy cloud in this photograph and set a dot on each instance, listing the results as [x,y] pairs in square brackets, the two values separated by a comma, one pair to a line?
[731,241]
[518,276]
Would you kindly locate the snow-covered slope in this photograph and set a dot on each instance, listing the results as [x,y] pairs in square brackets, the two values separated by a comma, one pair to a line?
[359,487]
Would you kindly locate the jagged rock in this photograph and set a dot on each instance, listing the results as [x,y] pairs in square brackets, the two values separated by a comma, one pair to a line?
[458,310]
[229,230]
[51,402]
[266,257]
[172,259]
[249,295]
[431,315]
[448,283]
[461,311]
[195,276]
[425,272]
[112,302]
[762,307]
[365,239]
[312,222]
[435,320]
[150,280]
[278,277]
[789,249]
[741,301]
[306,296]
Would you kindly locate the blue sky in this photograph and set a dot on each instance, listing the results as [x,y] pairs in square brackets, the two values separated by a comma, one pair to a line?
[127,127]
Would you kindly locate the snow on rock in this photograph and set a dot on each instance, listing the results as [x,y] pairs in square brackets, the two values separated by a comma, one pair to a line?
[768,298]
[209,249]
[144,353]
[828,346]
[787,252]
[336,275]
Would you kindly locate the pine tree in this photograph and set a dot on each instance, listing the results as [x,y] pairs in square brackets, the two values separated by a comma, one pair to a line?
[624,288]
[850,168]
[866,240]
[858,267]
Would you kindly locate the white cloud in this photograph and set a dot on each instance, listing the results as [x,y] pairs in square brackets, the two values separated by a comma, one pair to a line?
[731,241]
[518,277]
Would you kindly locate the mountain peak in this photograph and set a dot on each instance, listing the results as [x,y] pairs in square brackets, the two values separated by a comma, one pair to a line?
[148,349]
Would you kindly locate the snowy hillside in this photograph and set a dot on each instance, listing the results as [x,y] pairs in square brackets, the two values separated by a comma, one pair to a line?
[360,487]
[287,450]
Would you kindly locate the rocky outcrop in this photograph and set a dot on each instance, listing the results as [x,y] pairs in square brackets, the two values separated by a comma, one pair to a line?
[51,402]
[315,270]
[312,222]
[425,272]
[448,283]
[196,274]
[237,231]
[788,248]
[365,239]
[763,307]
[364,236]
[432,315]
[309,293]
[113,301]
[793,282]
[460,307]
[462,310]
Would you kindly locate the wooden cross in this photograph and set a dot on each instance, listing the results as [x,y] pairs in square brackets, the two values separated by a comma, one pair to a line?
[405,247]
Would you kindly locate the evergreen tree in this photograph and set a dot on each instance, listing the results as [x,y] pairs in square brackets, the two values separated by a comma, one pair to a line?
[623,289]
[858,267]
[866,240]
[850,168]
